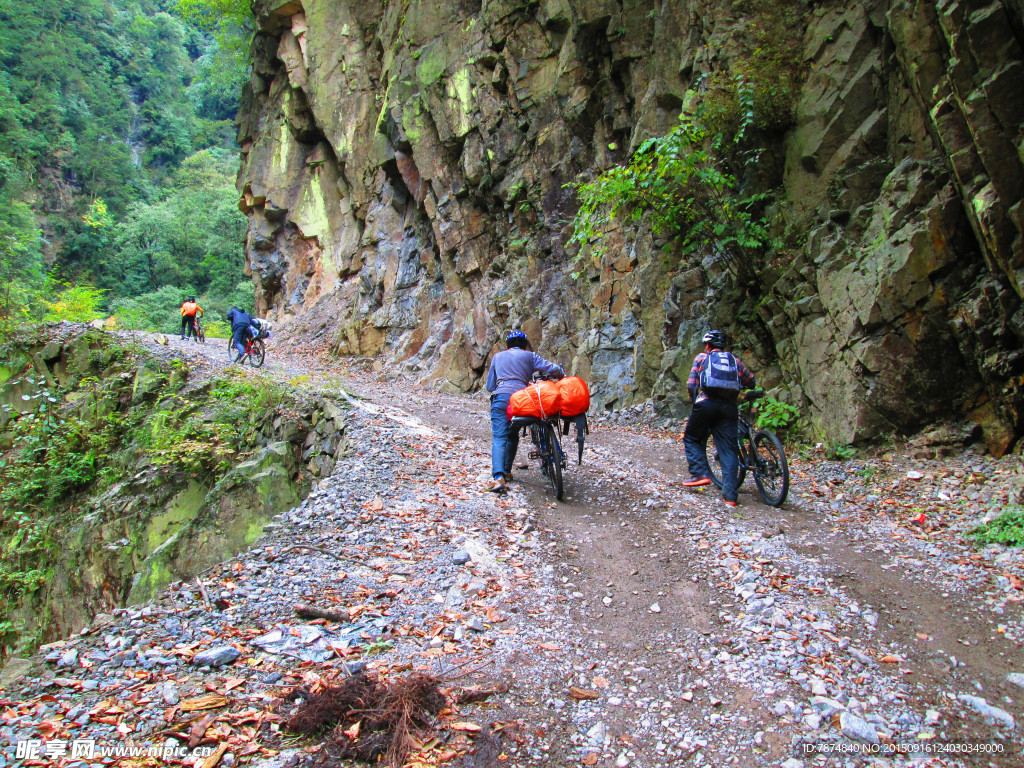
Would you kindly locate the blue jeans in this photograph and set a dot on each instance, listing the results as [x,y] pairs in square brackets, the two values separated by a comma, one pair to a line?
[238,336]
[504,440]
[721,420]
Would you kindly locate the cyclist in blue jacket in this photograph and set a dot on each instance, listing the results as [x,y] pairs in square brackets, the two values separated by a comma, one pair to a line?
[510,371]
[241,323]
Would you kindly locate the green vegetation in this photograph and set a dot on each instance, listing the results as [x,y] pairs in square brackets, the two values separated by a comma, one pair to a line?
[772,64]
[117,154]
[1007,528]
[840,452]
[683,186]
[775,415]
[694,187]
[182,437]
[74,303]
[64,444]
[52,453]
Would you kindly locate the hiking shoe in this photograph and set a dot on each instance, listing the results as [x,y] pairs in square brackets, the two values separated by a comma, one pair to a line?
[498,486]
[509,477]
[730,503]
[696,481]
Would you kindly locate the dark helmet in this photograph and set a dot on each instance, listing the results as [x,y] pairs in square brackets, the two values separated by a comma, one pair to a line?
[715,339]
[192,298]
[515,338]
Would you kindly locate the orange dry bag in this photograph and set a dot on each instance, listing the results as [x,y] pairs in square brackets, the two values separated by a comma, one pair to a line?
[575,396]
[539,400]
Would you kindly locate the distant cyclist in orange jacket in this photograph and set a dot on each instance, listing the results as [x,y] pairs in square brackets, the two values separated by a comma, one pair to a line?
[188,317]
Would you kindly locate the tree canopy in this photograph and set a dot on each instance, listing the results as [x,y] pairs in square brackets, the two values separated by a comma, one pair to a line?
[117,150]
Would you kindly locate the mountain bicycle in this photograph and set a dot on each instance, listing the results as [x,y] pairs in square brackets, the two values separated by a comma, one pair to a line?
[760,452]
[255,351]
[197,331]
[547,448]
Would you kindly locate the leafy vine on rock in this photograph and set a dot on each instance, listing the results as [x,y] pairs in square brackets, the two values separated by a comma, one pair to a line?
[683,186]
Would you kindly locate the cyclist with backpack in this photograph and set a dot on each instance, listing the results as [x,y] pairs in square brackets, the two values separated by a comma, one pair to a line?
[715,381]
[510,371]
[189,308]
[241,327]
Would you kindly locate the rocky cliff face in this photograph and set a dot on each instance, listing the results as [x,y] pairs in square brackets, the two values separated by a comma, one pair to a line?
[404,172]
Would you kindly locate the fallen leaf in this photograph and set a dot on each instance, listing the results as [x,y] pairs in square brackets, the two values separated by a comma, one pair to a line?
[470,727]
[550,647]
[198,731]
[582,694]
[353,732]
[47,728]
[890,659]
[590,759]
[203,702]
[600,682]
[233,682]
[213,759]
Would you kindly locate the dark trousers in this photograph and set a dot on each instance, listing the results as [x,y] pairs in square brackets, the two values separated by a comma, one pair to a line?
[714,417]
[187,325]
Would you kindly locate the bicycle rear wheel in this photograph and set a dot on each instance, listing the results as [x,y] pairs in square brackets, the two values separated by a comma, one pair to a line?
[715,463]
[257,354]
[771,470]
[554,461]
[200,334]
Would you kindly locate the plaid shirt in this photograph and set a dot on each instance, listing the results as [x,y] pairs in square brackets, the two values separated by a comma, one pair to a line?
[693,383]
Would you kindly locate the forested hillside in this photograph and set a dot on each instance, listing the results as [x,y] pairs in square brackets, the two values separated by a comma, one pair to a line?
[117,158]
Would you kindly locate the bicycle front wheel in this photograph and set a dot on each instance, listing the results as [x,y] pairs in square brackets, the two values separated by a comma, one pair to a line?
[257,354]
[233,354]
[554,461]
[715,462]
[771,470]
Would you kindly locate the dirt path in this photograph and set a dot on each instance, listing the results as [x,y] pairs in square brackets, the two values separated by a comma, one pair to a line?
[647,625]
[628,537]
[624,531]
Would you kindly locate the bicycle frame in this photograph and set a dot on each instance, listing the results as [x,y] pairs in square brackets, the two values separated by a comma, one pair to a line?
[544,435]
[761,453]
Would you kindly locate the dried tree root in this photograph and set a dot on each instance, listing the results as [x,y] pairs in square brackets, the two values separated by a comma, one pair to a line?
[388,715]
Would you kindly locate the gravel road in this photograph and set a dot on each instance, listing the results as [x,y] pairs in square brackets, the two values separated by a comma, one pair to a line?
[637,623]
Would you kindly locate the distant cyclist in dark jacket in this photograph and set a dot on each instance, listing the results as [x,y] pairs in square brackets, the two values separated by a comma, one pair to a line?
[241,322]
[510,371]
[714,412]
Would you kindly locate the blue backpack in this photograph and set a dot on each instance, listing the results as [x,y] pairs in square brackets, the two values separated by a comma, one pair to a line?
[720,376]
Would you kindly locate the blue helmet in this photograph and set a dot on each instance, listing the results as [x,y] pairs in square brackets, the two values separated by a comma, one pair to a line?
[515,338]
